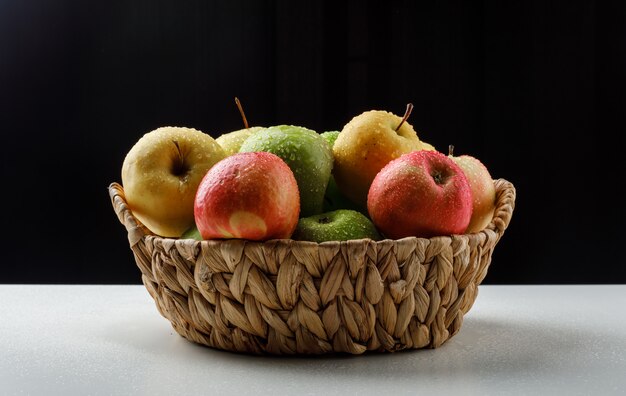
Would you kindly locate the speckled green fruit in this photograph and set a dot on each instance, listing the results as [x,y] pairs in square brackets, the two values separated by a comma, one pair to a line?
[307,154]
[338,225]
[232,141]
[192,233]
[333,197]
[330,137]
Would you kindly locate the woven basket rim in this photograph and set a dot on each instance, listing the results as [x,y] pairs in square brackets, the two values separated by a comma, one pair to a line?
[285,296]
[505,204]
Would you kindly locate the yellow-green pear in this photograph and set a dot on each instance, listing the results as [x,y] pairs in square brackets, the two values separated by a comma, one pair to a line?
[365,145]
[232,141]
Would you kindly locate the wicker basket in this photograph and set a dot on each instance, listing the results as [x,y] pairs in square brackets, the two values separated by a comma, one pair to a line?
[296,297]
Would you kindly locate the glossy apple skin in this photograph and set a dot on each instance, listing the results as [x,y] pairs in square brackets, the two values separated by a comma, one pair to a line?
[483,191]
[337,225]
[422,194]
[334,199]
[248,196]
[365,145]
[161,174]
[232,141]
[307,154]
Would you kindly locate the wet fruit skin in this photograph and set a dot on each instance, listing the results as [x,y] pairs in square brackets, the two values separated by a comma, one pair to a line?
[231,142]
[365,145]
[337,225]
[483,191]
[161,173]
[249,196]
[334,199]
[306,153]
[422,194]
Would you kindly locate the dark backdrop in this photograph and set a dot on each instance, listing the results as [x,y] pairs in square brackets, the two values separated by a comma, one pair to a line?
[535,89]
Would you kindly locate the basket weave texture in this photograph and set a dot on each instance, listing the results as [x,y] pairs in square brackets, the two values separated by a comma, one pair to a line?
[297,297]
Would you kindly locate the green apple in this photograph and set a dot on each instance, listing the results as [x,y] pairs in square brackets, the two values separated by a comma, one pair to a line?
[338,225]
[333,197]
[330,137]
[307,154]
[192,233]
[232,141]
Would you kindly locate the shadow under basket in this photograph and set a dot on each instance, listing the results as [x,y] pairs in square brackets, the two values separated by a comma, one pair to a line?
[296,297]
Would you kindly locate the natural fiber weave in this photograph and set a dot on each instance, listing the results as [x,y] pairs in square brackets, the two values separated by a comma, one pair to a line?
[296,297]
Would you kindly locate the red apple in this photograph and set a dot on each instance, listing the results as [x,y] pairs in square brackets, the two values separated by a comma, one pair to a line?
[482,187]
[422,194]
[249,196]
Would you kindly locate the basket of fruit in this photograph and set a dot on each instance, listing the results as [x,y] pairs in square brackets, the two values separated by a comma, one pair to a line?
[281,240]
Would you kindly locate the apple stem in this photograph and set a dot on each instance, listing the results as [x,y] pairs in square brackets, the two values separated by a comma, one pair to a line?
[243,115]
[407,113]
[450,149]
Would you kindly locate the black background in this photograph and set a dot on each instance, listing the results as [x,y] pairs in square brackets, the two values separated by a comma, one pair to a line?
[535,89]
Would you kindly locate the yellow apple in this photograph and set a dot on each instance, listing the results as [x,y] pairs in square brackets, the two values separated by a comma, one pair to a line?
[161,174]
[232,141]
[365,145]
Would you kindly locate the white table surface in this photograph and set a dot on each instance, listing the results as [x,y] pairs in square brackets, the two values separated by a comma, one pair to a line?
[103,340]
